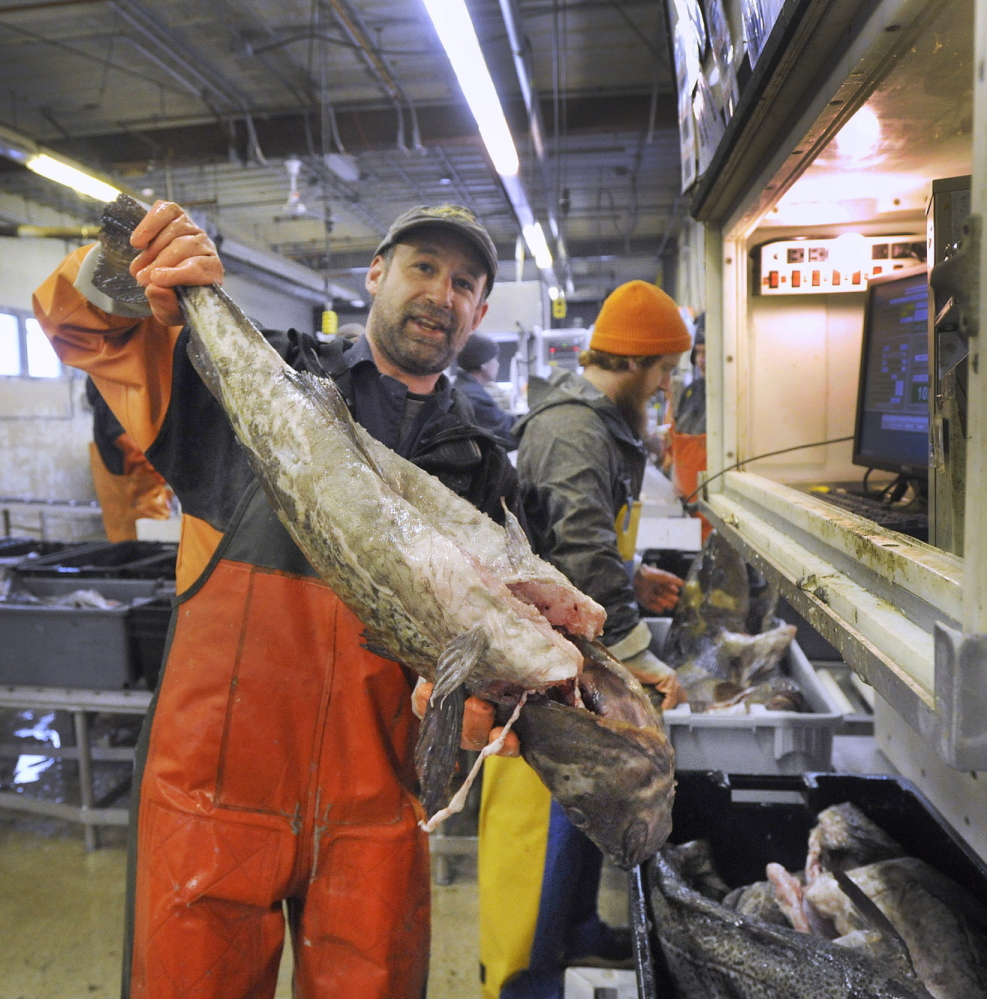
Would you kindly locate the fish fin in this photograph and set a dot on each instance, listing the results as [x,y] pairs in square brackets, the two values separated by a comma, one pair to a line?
[112,275]
[458,660]
[323,392]
[372,642]
[442,726]
[438,748]
[870,910]
[518,548]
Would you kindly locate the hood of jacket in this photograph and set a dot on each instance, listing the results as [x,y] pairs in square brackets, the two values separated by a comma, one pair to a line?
[566,388]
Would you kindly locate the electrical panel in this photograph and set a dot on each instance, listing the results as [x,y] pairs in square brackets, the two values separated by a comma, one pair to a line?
[832,265]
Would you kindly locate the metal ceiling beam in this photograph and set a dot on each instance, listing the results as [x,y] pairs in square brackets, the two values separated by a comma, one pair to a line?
[281,134]
[525,76]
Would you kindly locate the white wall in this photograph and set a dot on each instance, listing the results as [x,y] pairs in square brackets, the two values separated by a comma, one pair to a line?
[805,360]
[45,424]
[269,307]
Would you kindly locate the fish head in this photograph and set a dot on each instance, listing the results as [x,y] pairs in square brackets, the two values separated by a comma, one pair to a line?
[609,763]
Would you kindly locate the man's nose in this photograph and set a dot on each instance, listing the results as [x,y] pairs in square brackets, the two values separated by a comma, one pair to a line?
[440,291]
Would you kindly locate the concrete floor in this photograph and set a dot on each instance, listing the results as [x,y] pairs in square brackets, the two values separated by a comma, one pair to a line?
[61,907]
[61,912]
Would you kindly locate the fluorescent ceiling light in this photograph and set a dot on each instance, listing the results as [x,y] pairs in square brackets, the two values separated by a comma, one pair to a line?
[535,238]
[455,30]
[62,173]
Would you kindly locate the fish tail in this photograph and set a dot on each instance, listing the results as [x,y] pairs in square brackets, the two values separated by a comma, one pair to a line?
[438,748]
[442,727]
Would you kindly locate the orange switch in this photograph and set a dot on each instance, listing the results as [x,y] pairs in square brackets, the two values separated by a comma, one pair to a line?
[796,279]
[836,279]
[773,279]
[815,279]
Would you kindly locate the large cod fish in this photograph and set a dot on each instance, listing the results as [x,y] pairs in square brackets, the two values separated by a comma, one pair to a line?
[712,952]
[438,585]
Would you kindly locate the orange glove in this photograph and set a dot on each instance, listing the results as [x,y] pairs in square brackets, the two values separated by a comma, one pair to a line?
[174,251]
[656,589]
[478,721]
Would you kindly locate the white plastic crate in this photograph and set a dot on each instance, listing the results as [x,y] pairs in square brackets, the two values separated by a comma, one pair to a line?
[761,741]
[600,983]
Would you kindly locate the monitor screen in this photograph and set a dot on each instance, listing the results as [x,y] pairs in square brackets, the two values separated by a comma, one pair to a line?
[892,428]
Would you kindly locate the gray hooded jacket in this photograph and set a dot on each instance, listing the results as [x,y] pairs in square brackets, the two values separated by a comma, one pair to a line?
[578,464]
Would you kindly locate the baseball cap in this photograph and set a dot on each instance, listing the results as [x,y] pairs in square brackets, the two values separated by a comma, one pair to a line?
[638,319]
[448,216]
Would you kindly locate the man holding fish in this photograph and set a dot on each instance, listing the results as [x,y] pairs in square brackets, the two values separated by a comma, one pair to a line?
[269,776]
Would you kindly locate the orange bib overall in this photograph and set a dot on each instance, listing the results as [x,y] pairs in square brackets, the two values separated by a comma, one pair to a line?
[279,769]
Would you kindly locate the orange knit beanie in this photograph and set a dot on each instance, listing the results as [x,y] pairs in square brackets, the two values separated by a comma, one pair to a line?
[639,320]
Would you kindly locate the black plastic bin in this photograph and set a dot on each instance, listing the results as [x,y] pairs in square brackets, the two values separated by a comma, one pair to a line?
[148,625]
[12,550]
[81,647]
[745,835]
[122,559]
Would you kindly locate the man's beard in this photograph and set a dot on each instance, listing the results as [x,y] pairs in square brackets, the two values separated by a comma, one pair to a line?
[415,357]
[634,410]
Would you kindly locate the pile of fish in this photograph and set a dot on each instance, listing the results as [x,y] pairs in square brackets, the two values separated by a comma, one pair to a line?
[725,642]
[12,591]
[861,921]
[439,586]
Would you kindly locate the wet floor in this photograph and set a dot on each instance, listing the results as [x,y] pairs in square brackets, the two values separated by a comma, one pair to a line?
[61,912]
[61,907]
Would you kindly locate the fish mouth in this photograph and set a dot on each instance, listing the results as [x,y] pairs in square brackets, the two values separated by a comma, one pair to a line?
[599,746]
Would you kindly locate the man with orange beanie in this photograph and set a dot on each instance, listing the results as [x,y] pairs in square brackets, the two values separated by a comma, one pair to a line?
[581,465]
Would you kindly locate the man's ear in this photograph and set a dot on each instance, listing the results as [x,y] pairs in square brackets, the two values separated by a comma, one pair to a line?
[375,274]
[479,314]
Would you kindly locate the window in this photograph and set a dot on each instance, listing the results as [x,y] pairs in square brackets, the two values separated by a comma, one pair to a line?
[10,345]
[24,348]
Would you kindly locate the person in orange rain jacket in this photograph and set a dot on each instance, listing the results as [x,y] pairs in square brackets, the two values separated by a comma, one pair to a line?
[127,485]
[687,437]
[276,772]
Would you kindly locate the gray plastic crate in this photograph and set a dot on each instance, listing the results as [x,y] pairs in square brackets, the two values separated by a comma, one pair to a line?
[761,741]
[81,647]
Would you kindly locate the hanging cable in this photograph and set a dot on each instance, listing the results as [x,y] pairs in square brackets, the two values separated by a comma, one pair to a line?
[758,457]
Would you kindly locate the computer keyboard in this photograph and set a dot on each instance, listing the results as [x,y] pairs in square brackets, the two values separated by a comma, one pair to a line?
[916,525]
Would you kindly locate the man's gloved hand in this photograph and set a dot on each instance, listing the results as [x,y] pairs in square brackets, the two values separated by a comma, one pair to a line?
[656,589]
[174,251]
[478,721]
[652,672]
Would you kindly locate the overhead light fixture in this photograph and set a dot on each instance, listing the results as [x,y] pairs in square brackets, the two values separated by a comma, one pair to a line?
[70,176]
[455,30]
[534,236]
[860,137]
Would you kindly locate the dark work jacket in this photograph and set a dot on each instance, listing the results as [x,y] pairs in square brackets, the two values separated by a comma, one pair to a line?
[578,464]
[690,408]
[488,414]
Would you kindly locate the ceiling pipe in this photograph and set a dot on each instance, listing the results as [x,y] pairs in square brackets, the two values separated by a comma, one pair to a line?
[351,24]
[511,15]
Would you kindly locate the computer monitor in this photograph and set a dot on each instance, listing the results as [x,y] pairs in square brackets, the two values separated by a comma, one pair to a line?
[892,426]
